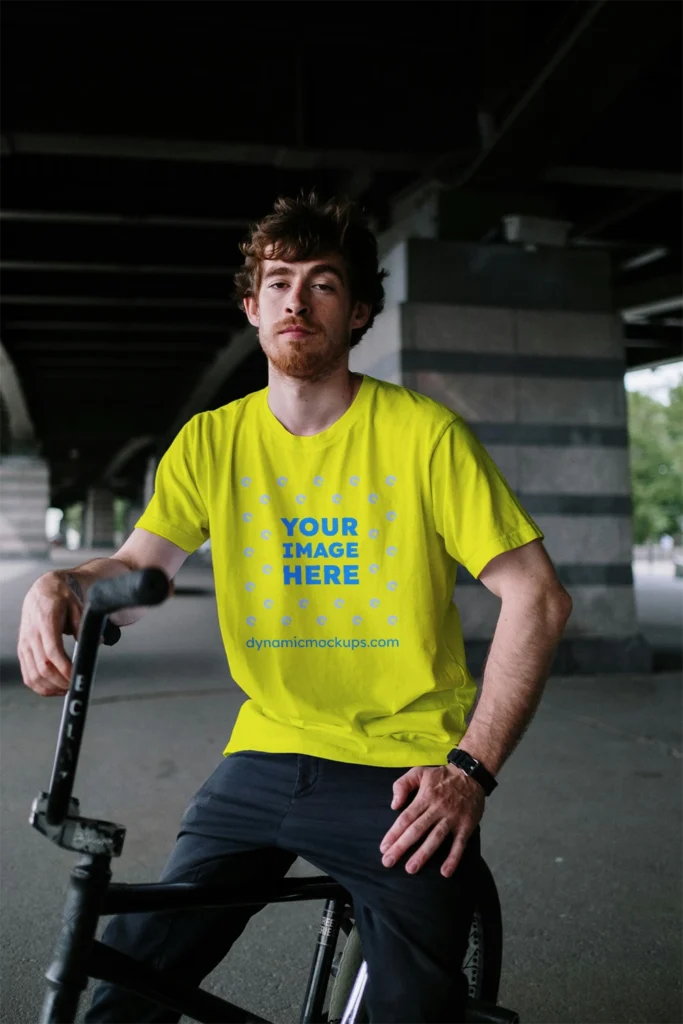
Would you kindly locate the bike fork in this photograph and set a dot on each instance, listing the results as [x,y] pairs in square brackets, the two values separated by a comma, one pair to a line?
[67,975]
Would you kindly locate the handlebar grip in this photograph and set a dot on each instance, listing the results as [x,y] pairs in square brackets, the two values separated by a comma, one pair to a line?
[141,587]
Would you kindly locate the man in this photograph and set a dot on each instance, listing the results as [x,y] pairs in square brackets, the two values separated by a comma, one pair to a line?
[338,507]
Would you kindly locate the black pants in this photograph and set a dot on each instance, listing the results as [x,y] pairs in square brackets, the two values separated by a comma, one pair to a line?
[251,818]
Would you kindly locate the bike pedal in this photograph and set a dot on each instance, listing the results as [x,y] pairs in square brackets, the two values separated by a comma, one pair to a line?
[81,835]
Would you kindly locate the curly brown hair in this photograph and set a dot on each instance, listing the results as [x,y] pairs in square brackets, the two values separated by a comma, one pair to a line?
[306,227]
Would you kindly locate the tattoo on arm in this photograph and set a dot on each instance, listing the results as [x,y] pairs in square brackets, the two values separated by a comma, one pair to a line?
[75,586]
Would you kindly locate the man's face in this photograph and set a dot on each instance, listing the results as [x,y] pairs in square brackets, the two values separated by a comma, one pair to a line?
[305,316]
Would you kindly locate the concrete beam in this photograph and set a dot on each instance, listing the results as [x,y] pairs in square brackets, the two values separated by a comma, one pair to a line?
[115,268]
[226,362]
[647,298]
[123,220]
[125,454]
[91,300]
[604,177]
[110,327]
[249,154]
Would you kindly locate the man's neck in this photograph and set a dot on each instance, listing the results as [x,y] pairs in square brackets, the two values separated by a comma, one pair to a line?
[306,408]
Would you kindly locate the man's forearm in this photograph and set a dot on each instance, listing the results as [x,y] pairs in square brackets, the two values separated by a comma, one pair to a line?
[527,634]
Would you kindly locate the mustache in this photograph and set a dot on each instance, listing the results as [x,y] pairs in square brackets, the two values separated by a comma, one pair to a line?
[294,325]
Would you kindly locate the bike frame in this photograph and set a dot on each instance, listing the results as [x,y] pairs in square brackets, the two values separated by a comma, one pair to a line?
[91,893]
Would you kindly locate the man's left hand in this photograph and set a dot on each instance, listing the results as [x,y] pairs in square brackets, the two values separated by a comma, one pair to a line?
[448,802]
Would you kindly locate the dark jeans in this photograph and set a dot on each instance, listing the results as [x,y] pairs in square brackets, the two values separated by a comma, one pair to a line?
[251,819]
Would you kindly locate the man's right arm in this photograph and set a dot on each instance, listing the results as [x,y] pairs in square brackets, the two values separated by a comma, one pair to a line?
[54,605]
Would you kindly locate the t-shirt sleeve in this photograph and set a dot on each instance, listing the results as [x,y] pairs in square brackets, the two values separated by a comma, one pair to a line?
[177,510]
[475,510]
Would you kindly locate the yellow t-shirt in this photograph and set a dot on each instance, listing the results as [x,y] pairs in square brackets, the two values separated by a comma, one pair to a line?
[334,559]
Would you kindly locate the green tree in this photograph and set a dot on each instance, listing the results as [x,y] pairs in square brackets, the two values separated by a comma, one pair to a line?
[656,450]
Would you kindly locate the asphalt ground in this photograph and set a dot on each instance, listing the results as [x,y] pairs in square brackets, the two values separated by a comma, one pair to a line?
[583,833]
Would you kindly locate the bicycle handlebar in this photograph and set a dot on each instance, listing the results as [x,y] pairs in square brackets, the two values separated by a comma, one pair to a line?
[133,589]
[130,590]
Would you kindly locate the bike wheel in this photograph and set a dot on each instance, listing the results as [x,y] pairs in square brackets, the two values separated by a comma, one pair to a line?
[481,964]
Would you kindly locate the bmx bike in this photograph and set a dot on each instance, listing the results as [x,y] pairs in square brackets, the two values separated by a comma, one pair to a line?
[91,894]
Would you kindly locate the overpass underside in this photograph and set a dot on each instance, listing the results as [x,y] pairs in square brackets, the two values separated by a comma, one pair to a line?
[521,168]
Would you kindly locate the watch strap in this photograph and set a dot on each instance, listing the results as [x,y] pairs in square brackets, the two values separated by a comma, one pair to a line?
[474,768]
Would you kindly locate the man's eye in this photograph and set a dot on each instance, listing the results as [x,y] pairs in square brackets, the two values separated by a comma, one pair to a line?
[325,287]
[276,284]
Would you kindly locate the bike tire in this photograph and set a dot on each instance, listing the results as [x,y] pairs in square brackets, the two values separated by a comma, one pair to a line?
[481,964]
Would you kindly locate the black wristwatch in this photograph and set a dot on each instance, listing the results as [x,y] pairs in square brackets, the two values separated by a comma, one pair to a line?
[470,766]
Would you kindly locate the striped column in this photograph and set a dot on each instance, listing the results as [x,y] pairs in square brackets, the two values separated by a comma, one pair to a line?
[98,519]
[24,500]
[540,381]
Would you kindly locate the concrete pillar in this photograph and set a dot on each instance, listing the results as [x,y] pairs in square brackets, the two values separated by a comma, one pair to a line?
[523,344]
[134,512]
[24,500]
[98,519]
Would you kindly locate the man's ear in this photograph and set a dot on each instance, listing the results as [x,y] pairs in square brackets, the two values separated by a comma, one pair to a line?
[360,314]
[251,309]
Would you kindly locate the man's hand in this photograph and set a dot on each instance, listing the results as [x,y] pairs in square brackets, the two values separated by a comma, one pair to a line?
[50,609]
[448,802]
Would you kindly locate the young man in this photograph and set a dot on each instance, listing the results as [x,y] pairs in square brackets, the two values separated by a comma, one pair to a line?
[338,507]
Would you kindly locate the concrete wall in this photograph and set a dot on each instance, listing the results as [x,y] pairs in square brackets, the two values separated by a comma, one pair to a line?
[543,389]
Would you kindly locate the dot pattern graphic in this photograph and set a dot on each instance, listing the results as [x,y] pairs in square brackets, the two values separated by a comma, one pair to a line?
[337,499]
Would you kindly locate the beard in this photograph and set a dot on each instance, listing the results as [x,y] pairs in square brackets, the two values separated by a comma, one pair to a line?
[311,358]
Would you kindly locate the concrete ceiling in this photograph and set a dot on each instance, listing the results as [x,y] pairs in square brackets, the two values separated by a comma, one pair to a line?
[140,140]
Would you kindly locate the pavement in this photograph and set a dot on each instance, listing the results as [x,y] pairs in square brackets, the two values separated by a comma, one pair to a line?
[583,833]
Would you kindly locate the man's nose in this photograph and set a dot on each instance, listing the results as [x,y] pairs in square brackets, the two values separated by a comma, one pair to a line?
[297,304]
